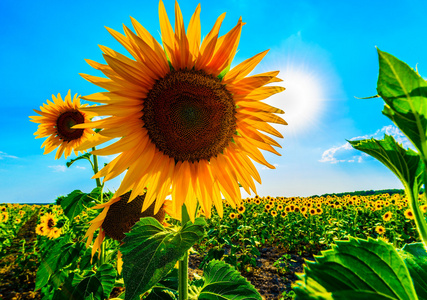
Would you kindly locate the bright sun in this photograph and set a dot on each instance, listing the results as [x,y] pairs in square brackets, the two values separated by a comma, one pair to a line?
[303,100]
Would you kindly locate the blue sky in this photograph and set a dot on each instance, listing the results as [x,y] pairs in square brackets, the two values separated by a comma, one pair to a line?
[325,51]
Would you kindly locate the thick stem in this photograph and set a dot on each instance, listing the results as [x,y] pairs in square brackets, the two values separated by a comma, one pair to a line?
[95,168]
[418,215]
[183,264]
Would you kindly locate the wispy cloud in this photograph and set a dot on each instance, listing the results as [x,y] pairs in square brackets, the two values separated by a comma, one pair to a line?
[346,153]
[58,168]
[4,155]
[81,168]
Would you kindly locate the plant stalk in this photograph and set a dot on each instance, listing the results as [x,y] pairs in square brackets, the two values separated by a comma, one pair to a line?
[418,215]
[95,168]
[183,264]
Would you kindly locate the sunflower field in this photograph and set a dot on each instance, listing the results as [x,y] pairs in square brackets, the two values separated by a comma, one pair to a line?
[295,227]
[185,130]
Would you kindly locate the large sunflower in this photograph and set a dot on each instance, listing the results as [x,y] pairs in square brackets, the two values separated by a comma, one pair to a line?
[56,119]
[185,121]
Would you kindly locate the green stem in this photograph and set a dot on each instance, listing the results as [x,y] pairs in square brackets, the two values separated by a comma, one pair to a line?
[95,168]
[418,215]
[183,264]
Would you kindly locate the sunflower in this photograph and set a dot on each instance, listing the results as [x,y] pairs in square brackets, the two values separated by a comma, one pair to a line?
[387,216]
[118,216]
[274,213]
[54,233]
[56,119]
[241,209]
[380,230]
[409,214]
[283,214]
[423,208]
[184,120]
[41,229]
[232,216]
[5,217]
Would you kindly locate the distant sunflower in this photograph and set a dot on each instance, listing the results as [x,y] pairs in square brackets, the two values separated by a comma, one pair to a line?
[409,214]
[387,216]
[423,208]
[56,119]
[232,216]
[380,229]
[54,233]
[183,119]
[241,209]
[274,213]
[41,229]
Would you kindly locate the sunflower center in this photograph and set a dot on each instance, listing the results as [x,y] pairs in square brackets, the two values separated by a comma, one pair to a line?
[189,115]
[50,223]
[67,120]
[121,216]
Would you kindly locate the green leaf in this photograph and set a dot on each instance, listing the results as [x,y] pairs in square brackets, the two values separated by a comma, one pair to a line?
[406,164]
[366,266]
[56,258]
[86,287]
[405,93]
[83,156]
[75,202]
[415,257]
[222,281]
[150,251]
[106,274]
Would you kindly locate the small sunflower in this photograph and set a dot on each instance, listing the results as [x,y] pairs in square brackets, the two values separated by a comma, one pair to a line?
[283,214]
[387,216]
[423,208]
[241,209]
[5,217]
[319,210]
[232,216]
[54,233]
[409,214]
[56,121]
[380,230]
[312,211]
[182,120]
[274,213]
[41,229]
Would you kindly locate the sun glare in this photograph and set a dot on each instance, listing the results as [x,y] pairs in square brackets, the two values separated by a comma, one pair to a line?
[303,100]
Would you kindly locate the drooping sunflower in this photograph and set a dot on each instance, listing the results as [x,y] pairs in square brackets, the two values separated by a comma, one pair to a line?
[56,121]
[184,120]
[118,216]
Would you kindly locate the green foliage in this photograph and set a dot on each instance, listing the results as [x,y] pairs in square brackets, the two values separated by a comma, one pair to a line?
[222,281]
[405,164]
[404,92]
[368,266]
[77,201]
[83,156]
[415,258]
[150,251]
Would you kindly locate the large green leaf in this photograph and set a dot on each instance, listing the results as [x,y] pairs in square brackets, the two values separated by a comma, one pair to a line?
[57,257]
[76,201]
[150,251]
[406,164]
[405,93]
[364,266]
[222,281]
[415,258]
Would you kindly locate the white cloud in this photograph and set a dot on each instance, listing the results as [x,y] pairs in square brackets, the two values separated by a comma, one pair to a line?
[81,168]
[4,155]
[58,168]
[346,153]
